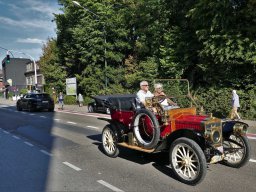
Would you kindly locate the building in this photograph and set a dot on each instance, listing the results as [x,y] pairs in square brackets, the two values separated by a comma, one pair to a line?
[19,74]
[30,77]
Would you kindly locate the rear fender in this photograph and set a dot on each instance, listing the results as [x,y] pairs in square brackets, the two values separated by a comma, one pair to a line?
[119,130]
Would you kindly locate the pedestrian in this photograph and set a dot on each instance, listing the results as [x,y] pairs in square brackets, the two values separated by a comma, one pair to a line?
[54,96]
[61,101]
[80,100]
[235,105]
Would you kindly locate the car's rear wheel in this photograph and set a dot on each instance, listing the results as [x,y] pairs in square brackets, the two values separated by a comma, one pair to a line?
[90,109]
[187,161]
[146,129]
[237,151]
[109,141]
[51,109]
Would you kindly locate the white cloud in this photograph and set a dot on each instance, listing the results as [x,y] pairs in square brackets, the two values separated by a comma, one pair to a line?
[31,40]
[34,52]
[42,24]
[41,7]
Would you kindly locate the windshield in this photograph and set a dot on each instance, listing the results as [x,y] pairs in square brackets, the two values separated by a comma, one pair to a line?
[177,90]
[42,96]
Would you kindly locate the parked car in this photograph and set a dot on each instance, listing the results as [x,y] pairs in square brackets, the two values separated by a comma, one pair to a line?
[193,140]
[99,105]
[35,101]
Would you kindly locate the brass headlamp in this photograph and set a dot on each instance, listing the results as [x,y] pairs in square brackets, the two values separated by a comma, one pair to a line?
[240,129]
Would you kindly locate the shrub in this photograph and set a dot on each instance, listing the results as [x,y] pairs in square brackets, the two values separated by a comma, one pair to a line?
[70,100]
[87,100]
[219,101]
[23,91]
[10,94]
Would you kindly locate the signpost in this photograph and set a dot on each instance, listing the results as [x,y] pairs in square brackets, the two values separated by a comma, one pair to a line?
[71,86]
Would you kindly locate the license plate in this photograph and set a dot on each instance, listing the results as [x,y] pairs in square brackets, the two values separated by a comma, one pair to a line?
[45,101]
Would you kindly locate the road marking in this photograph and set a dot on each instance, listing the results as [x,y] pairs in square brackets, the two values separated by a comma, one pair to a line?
[252,160]
[251,134]
[98,116]
[29,144]
[113,188]
[15,137]
[23,112]
[43,117]
[31,114]
[56,119]
[252,138]
[72,166]
[16,111]
[83,114]
[6,132]
[46,153]
[4,106]
[92,127]
[70,122]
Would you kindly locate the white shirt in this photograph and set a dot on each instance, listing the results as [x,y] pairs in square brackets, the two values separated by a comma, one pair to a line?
[235,100]
[141,95]
[165,103]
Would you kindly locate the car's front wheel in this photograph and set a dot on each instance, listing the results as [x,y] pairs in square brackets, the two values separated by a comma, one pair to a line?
[187,161]
[237,151]
[109,141]
[19,108]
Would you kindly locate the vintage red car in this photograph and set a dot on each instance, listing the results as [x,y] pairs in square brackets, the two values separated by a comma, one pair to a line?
[193,140]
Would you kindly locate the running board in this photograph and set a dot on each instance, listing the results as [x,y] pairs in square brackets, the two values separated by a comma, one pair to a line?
[123,144]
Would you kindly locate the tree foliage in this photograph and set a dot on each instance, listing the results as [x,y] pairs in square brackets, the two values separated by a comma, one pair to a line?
[211,43]
[54,74]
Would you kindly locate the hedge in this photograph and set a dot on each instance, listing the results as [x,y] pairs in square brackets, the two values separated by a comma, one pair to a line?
[219,102]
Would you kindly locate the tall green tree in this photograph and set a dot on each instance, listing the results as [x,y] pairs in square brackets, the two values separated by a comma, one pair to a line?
[53,72]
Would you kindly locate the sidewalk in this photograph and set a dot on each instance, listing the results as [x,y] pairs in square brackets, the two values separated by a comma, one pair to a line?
[76,108]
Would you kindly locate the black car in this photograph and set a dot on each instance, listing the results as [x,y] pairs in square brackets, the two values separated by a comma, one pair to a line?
[99,104]
[35,101]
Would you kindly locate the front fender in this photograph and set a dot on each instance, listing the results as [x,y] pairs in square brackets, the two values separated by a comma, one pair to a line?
[234,127]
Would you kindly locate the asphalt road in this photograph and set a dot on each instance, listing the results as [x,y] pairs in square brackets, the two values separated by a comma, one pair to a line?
[60,151]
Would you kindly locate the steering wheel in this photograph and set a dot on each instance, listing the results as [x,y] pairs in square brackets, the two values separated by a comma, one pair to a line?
[161,98]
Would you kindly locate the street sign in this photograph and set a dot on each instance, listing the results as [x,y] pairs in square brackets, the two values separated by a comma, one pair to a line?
[71,86]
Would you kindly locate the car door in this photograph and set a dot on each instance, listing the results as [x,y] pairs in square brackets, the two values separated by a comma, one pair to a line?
[26,101]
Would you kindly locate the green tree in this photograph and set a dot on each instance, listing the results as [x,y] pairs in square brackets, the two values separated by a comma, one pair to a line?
[53,72]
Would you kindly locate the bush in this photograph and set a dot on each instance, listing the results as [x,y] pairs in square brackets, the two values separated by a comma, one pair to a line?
[87,100]
[23,91]
[10,94]
[70,100]
[219,101]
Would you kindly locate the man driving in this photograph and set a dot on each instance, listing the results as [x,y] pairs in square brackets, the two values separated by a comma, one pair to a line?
[143,92]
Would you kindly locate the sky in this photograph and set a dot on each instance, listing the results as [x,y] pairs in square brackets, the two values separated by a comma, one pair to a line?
[25,25]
